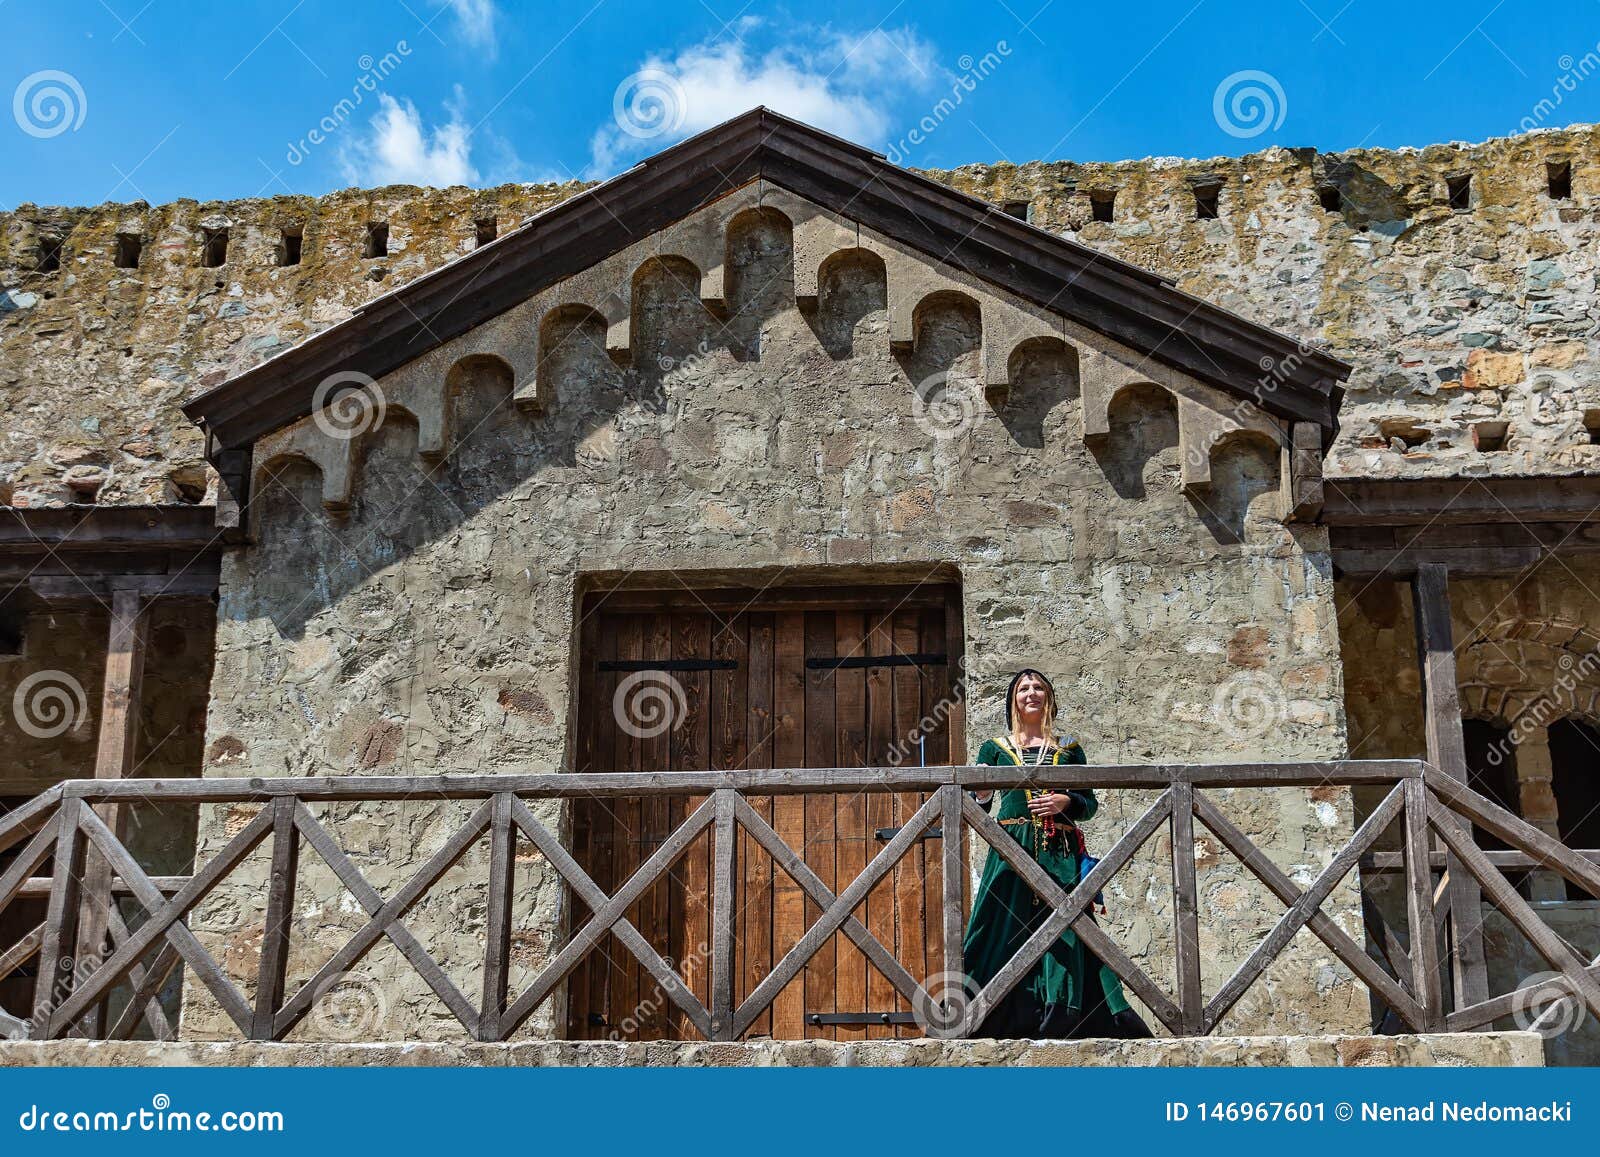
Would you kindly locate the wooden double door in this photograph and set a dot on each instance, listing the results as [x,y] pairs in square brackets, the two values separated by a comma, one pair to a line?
[724,680]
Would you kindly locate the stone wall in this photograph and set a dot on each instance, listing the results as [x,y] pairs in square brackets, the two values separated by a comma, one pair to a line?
[95,359]
[1455,319]
[422,619]
[1452,316]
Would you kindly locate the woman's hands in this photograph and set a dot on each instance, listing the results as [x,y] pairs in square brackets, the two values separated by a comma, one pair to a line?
[1049,804]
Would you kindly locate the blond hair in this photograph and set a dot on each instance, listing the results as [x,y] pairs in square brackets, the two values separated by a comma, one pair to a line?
[1049,703]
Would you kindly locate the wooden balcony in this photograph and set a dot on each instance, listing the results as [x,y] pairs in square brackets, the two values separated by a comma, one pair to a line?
[1433,812]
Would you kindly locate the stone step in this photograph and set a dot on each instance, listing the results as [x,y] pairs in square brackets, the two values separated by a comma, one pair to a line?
[1509,1049]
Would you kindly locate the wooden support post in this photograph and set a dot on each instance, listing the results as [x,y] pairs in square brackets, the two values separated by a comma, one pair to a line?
[1419,908]
[497,955]
[1303,459]
[279,918]
[1441,712]
[119,734]
[723,915]
[1186,908]
[233,482]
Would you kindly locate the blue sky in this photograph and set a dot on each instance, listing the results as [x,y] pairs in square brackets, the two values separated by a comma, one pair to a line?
[156,99]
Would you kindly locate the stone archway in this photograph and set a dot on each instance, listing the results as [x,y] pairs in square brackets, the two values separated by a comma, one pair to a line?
[1525,674]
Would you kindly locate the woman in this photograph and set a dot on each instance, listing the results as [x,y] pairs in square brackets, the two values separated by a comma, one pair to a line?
[1068,993]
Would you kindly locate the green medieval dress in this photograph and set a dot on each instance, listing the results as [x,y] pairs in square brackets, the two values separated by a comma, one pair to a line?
[1051,1000]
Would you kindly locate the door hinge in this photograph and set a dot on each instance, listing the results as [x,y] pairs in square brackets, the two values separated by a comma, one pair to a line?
[669,664]
[891,833]
[821,1018]
[921,659]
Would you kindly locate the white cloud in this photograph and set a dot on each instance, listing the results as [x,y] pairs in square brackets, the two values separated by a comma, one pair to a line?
[845,83]
[401,150]
[476,20]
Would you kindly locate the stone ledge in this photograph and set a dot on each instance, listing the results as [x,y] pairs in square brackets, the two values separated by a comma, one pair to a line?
[1456,1050]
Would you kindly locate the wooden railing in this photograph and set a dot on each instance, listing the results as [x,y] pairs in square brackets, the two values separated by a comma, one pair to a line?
[63,824]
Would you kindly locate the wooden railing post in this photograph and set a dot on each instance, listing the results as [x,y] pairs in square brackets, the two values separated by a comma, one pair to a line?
[497,953]
[954,869]
[1424,948]
[57,963]
[723,915]
[1186,910]
[1441,714]
[279,918]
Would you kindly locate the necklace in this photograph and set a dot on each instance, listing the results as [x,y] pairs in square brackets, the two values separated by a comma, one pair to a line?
[1045,827]
[1038,759]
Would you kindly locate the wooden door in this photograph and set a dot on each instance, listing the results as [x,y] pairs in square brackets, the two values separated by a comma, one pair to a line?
[857,678]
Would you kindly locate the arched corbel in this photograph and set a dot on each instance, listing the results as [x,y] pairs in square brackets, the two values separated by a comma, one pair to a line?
[817,240]
[533,390]
[333,457]
[423,398]
[1100,376]
[1201,426]
[1005,328]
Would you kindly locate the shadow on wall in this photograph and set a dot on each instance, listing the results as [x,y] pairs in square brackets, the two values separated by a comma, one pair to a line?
[1245,484]
[1141,455]
[853,301]
[1044,377]
[417,487]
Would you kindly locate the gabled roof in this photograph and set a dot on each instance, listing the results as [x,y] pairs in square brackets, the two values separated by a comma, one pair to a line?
[1124,302]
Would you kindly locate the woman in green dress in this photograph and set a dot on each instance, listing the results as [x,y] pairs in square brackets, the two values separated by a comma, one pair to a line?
[1069,992]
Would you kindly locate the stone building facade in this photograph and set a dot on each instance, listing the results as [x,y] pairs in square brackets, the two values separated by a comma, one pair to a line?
[742,396]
